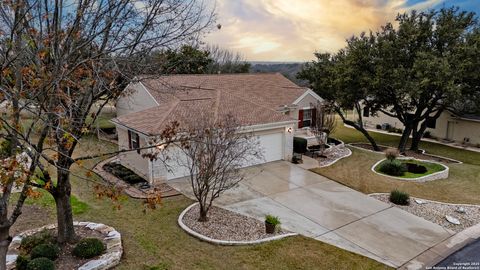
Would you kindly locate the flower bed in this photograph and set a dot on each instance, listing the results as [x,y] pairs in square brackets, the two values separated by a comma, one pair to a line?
[226,227]
[29,243]
[431,170]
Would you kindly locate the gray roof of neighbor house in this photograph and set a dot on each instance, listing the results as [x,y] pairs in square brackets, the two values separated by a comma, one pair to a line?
[252,99]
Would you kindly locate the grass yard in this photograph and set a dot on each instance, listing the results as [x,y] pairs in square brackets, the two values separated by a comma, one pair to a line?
[431,168]
[153,240]
[462,185]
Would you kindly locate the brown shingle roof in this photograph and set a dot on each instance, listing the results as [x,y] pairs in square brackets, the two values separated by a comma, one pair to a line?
[252,98]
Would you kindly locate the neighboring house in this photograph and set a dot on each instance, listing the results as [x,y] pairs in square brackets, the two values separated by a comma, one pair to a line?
[270,105]
[463,129]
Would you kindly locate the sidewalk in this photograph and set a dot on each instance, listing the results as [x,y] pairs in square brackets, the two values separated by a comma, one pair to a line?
[453,144]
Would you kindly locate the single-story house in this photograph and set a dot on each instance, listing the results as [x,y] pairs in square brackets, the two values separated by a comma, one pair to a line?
[464,129]
[269,105]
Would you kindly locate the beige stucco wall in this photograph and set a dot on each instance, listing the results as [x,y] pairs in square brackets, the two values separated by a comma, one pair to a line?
[304,103]
[160,170]
[461,128]
[133,160]
[136,99]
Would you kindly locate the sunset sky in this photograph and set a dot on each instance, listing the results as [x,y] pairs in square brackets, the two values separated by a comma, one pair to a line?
[286,30]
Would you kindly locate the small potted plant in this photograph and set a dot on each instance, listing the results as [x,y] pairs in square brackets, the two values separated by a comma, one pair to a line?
[271,223]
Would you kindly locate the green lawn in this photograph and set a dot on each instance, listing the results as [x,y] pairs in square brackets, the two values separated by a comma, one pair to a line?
[431,168]
[153,240]
[462,185]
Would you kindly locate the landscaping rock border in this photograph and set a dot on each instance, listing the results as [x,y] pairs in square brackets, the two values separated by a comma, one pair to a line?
[224,242]
[343,152]
[454,161]
[436,212]
[129,189]
[108,260]
[431,177]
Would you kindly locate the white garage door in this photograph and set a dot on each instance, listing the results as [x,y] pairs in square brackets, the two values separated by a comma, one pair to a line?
[271,144]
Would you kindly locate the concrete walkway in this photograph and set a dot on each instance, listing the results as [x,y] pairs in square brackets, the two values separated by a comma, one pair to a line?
[317,207]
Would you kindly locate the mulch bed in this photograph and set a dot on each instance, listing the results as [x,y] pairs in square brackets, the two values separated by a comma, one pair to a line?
[435,212]
[332,155]
[408,153]
[65,259]
[226,225]
[134,191]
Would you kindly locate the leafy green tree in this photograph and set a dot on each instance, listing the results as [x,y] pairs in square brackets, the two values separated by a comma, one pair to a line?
[193,60]
[414,72]
[343,80]
[186,60]
[418,68]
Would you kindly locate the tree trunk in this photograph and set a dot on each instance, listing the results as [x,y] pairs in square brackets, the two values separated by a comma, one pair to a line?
[369,138]
[359,128]
[402,145]
[5,240]
[417,136]
[66,231]
[203,214]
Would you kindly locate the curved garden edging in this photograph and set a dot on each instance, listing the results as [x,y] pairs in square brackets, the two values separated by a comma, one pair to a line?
[422,150]
[337,159]
[108,260]
[427,200]
[224,242]
[431,177]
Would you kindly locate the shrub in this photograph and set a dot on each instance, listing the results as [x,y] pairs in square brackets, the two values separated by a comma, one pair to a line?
[41,264]
[88,248]
[47,250]
[378,126]
[29,242]
[391,154]
[299,145]
[22,262]
[123,173]
[393,168]
[399,197]
[427,134]
[416,168]
[272,220]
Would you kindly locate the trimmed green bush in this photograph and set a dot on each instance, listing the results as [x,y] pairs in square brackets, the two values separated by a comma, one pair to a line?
[41,264]
[29,242]
[47,250]
[299,145]
[393,168]
[88,248]
[272,220]
[22,262]
[399,197]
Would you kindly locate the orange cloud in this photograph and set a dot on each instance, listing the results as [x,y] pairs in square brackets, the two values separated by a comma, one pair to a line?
[285,30]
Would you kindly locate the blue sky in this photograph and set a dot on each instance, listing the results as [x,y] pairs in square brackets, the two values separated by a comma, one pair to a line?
[286,30]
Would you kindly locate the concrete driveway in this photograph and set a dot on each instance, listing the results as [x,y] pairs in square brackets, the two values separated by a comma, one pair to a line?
[320,208]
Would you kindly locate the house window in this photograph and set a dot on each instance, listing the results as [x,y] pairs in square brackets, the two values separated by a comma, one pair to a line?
[366,112]
[307,118]
[431,123]
[133,141]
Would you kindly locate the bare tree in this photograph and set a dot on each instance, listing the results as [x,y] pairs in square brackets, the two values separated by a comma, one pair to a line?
[213,153]
[324,123]
[59,58]
[226,61]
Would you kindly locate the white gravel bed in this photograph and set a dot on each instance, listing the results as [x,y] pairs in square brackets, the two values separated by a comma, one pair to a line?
[333,154]
[226,225]
[436,212]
